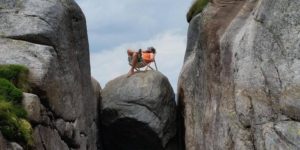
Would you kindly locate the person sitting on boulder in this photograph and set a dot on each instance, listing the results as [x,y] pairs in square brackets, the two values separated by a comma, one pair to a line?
[141,58]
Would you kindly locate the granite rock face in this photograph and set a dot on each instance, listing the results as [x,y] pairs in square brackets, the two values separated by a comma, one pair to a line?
[138,112]
[50,38]
[240,83]
[32,104]
[6,145]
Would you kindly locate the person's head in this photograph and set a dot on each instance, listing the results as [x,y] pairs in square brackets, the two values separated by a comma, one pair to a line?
[152,49]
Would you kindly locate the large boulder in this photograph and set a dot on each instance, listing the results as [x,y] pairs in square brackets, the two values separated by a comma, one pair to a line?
[50,38]
[138,112]
[240,83]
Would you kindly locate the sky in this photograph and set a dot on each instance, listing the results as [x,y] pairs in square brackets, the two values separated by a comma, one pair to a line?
[117,25]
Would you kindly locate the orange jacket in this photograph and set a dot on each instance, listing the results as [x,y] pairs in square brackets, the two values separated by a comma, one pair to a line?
[148,57]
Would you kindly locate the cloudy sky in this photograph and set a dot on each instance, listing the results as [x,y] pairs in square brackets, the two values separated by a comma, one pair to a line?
[116,25]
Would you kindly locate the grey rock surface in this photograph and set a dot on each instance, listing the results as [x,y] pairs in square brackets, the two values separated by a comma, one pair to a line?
[6,145]
[138,112]
[97,89]
[15,146]
[3,142]
[32,105]
[239,85]
[48,138]
[50,38]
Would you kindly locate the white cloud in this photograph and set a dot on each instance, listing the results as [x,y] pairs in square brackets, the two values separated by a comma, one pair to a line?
[114,25]
[108,64]
[115,22]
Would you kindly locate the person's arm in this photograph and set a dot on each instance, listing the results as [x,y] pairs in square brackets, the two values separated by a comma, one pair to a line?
[130,50]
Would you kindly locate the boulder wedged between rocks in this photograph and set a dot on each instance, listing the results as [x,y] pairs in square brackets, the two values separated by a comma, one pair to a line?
[138,112]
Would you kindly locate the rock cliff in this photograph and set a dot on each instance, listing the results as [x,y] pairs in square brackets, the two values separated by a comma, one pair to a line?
[50,38]
[240,83]
[138,113]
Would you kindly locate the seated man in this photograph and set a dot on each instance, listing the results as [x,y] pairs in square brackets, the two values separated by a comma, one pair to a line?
[142,56]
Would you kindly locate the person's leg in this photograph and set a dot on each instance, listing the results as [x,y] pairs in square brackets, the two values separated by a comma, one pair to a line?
[134,62]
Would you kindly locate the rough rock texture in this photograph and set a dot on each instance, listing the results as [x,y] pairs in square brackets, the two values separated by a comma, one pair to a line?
[240,83]
[139,112]
[6,145]
[97,89]
[50,38]
[32,105]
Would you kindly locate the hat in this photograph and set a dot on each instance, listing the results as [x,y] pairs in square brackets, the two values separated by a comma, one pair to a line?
[152,49]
